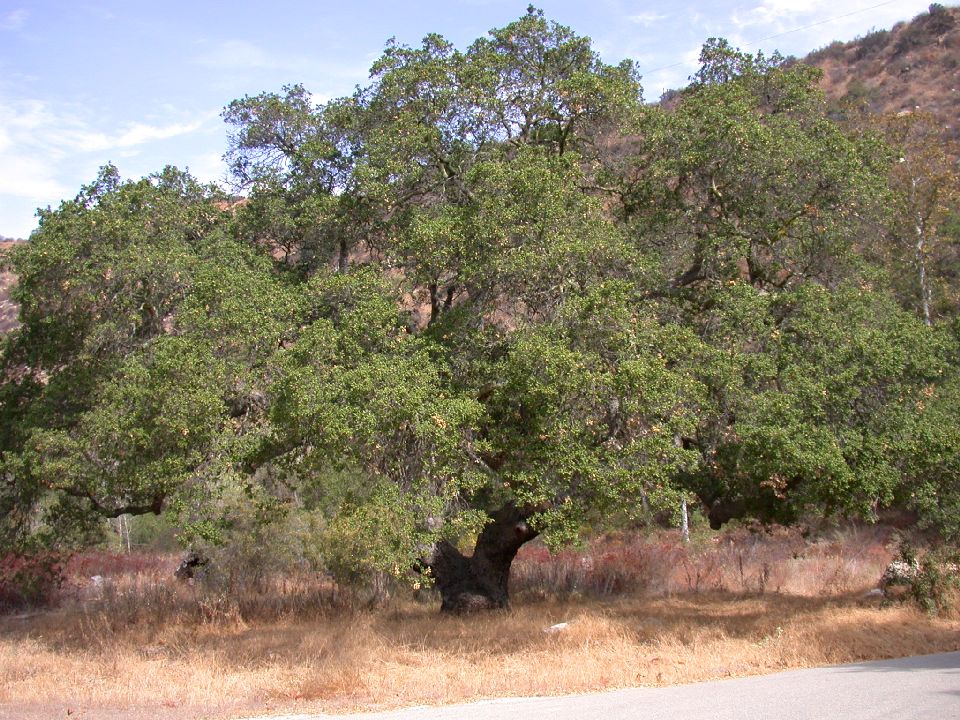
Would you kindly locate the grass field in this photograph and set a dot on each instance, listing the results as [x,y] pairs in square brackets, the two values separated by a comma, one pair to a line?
[639,611]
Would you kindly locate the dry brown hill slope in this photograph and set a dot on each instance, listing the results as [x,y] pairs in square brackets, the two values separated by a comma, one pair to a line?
[8,309]
[914,65]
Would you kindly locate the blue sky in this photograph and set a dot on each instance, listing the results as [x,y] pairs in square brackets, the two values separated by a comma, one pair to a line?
[142,84]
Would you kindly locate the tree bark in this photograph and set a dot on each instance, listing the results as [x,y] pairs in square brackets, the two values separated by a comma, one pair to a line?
[343,255]
[481,581]
[684,521]
[922,269]
[920,230]
[434,303]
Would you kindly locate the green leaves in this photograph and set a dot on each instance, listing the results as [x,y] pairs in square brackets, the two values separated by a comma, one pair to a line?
[534,236]
[747,176]
[587,411]
[489,277]
[140,361]
[542,84]
[823,424]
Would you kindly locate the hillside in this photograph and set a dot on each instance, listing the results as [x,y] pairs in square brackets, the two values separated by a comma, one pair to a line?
[8,309]
[914,65]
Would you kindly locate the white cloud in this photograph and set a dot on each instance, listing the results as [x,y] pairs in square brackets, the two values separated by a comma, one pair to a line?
[233,58]
[803,25]
[647,18]
[778,13]
[24,178]
[14,20]
[26,115]
[132,136]
[208,167]
[26,171]
[43,147]
[34,124]
[658,81]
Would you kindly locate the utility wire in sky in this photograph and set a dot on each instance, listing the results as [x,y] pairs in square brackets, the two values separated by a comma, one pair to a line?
[785,32]
[822,22]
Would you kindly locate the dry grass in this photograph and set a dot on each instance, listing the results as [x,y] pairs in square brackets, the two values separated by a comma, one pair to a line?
[409,655]
[179,652]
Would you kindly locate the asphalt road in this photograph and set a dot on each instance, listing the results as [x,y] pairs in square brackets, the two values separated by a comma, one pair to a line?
[921,688]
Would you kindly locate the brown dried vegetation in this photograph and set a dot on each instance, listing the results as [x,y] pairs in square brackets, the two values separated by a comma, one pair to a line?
[640,611]
[912,66]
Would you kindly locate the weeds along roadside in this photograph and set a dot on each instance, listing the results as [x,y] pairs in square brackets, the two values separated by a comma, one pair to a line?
[139,589]
[639,610]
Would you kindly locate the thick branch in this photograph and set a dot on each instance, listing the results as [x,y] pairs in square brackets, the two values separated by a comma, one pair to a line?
[154,507]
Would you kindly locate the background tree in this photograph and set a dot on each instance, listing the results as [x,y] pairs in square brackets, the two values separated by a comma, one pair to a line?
[926,187]
[756,203]
[747,178]
[295,160]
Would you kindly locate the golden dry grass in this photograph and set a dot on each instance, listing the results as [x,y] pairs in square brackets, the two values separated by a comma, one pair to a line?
[139,645]
[408,654]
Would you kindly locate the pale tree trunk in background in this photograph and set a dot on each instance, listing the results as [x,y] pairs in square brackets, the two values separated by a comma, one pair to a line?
[125,531]
[920,230]
[922,268]
[121,525]
[684,516]
[684,521]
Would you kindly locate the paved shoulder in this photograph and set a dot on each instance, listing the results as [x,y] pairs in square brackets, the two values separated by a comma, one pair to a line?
[924,688]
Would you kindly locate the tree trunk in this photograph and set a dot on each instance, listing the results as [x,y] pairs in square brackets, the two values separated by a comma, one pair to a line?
[434,303]
[922,269]
[343,255]
[684,517]
[684,521]
[481,581]
[921,234]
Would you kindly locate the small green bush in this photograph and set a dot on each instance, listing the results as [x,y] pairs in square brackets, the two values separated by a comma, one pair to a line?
[833,51]
[931,579]
[936,584]
[872,43]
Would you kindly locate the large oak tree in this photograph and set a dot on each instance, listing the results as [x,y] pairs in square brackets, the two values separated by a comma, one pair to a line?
[500,295]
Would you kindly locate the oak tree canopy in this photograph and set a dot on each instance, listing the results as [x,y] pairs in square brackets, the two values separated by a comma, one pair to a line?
[490,296]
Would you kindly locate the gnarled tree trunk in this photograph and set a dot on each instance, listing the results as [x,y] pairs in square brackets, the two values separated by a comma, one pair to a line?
[480,581]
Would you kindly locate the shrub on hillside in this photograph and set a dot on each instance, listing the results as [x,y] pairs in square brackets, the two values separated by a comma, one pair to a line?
[30,580]
[925,28]
[872,43]
[833,51]
[931,579]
